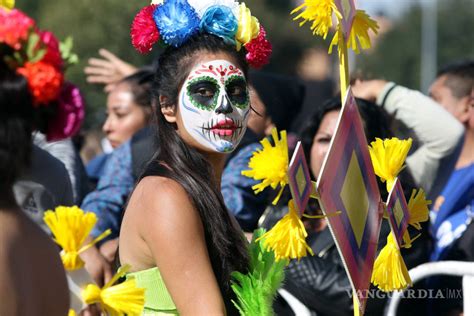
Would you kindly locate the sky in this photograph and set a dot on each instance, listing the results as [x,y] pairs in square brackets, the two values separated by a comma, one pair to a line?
[392,8]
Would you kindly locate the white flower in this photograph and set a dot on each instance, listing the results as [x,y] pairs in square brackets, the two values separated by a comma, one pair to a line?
[202,5]
[157,1]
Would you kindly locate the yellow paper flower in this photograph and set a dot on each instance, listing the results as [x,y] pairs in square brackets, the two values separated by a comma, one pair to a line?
[70,227]
[390,272]
[359,34]
[121,299]
[388,157]
[320,13]
[249,27]
[7,4]
[270,164]
[418,208]
[360,31]
[287,238]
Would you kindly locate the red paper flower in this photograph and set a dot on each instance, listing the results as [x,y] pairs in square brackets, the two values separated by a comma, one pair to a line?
[259,50]
[144,31]
[14,27]
[69,114]
[44,81]
[53,54]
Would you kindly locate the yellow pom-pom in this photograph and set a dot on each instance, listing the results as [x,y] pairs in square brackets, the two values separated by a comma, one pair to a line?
[287,238]
[390,272]
[71,313]
[70,227]
[7,4]
[248,26]
[270,164]
[320,13]
[388,157]
[418,208]
[121,299]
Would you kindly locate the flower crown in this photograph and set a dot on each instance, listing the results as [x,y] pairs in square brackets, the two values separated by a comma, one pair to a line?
[42,60]
[172,22]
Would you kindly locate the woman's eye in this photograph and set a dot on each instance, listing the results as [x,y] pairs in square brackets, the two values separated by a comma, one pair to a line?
[236,90]
[204,92]
[323,140]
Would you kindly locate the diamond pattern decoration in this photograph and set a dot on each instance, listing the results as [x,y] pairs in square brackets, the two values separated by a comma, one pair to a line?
[398,213]
[299,179]
[347,183]
[355,199]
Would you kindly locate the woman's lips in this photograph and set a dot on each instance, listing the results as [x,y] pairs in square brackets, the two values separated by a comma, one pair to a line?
[224,128]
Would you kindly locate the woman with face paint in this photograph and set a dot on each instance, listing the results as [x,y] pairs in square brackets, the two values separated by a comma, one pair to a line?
[176,233]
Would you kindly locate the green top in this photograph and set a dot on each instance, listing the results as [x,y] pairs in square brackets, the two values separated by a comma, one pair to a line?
[157,297]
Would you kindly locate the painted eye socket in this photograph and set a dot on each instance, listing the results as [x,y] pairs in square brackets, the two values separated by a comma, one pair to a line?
[203,93]
[236,89]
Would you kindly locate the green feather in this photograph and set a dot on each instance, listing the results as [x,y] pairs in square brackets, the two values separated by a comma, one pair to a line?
[256,290]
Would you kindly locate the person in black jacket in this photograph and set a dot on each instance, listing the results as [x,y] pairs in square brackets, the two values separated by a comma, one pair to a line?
[320,282]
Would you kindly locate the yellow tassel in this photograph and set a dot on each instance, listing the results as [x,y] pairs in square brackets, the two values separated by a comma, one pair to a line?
[419,212]
[390,272]
[388,157]
[360,31]
[288,237]
[359,34]
[70,227]
[320,13]
[418,208]
[122,299]
[270,164]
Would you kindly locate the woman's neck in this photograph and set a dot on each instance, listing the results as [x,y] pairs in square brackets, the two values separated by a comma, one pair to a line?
[217,161]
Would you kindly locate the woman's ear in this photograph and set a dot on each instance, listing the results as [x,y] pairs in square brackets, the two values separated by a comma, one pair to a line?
[168,111]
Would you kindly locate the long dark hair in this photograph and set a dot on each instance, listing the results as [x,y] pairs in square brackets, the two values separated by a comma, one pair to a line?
[16,120]
[184,164]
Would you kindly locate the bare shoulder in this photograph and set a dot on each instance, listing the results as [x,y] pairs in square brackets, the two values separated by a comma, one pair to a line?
[161,197]
[165,209]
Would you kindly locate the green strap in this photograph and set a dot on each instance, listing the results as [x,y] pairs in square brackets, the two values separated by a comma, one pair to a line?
[157,297]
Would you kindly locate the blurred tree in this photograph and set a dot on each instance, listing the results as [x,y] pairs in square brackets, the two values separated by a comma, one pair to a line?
[93,25]
[397,54]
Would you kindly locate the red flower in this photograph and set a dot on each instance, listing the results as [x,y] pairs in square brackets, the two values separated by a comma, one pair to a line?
[14,27]
[144,31]
[259,50]
[53,54]
[44,81]
[69,114]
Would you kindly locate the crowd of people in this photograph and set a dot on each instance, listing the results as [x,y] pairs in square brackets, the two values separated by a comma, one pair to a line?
[171,191]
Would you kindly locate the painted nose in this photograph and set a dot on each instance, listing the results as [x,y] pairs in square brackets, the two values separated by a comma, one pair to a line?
[225,107]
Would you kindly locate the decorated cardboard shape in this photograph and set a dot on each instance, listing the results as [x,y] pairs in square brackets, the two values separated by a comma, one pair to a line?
[348,11]
[398,213]
[347,183]
[299,179]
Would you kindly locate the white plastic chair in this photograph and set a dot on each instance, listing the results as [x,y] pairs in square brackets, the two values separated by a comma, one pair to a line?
[454,268]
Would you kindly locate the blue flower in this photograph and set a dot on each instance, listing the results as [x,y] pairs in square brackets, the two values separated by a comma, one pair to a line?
[219,20]
[177,21]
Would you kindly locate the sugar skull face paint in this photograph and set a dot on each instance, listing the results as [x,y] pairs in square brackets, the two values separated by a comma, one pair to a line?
[214,105]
